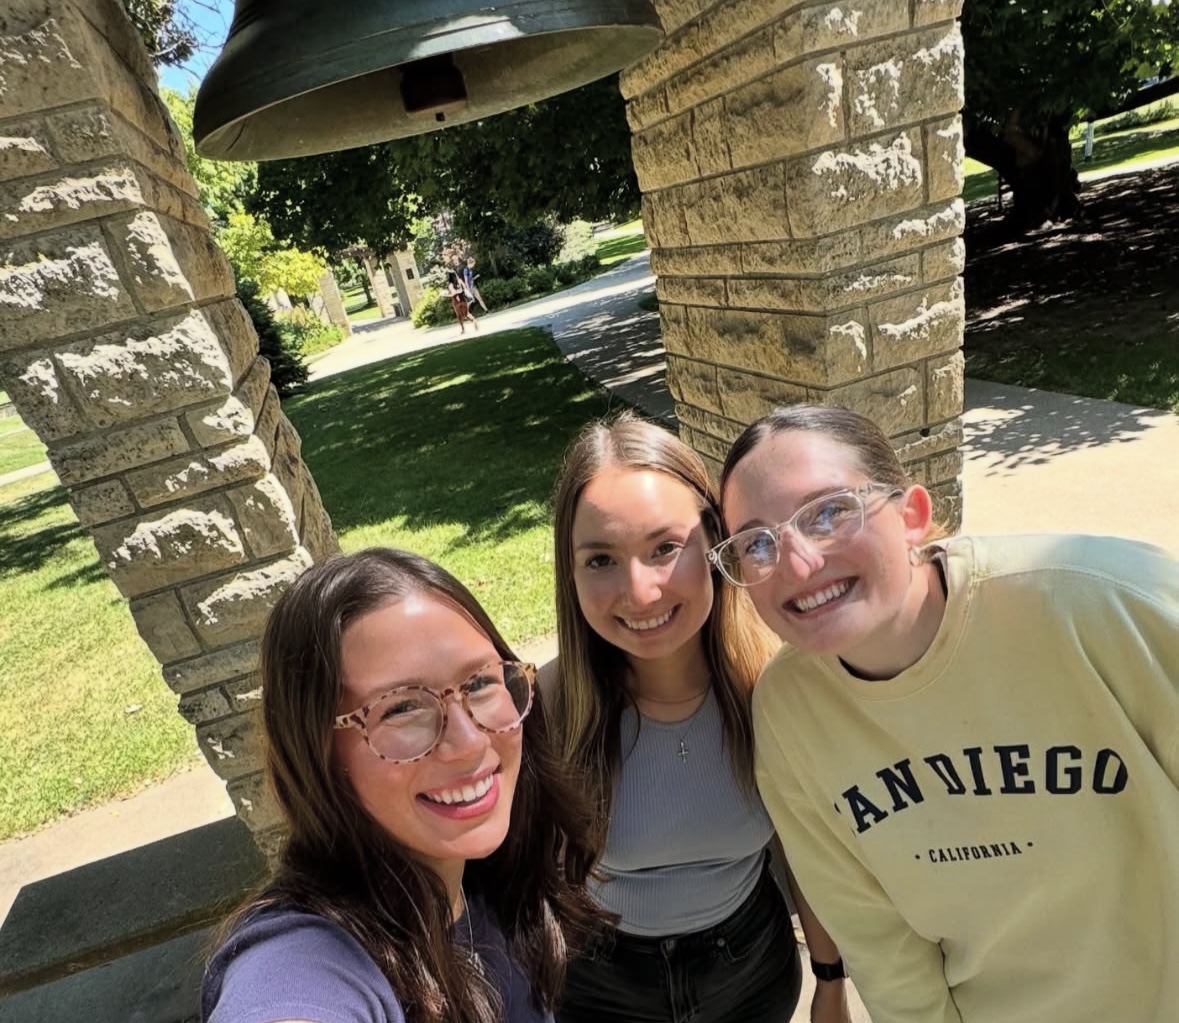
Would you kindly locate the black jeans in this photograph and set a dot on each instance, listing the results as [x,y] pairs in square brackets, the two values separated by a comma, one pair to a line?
[744,970]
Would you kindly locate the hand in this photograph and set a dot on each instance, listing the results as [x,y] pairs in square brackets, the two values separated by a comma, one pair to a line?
[830,1002]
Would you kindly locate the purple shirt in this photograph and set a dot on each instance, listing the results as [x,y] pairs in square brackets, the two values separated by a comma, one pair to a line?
[290,965]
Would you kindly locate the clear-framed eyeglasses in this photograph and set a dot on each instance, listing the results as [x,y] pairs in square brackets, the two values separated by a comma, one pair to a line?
[407,723]
[825,524]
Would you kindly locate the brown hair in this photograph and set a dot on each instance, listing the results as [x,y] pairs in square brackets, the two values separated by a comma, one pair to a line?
[877,457]
[589,695]
[339,863]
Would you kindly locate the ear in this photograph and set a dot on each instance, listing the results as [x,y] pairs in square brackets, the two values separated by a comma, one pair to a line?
[917,514]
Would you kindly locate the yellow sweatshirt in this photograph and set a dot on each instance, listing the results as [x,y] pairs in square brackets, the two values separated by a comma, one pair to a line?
[993,835]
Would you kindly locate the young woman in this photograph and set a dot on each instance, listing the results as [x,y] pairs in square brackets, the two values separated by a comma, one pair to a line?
[650,699]
[420,879]
[970,747]
[460,302]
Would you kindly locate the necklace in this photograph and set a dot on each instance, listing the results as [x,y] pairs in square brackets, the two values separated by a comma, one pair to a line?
[682,752]
[681,699]
[478,960]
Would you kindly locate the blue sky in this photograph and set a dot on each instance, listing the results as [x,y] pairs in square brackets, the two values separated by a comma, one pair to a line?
[211,18]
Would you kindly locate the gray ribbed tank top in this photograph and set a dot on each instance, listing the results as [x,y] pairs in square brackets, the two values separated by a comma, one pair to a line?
[685,843]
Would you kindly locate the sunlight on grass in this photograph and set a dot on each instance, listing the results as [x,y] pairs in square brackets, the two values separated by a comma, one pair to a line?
[18,447]
[84,712]
[620,242]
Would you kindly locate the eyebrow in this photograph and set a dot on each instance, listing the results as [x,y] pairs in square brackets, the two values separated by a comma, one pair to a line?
[814,495]
[470,670]
[605,545]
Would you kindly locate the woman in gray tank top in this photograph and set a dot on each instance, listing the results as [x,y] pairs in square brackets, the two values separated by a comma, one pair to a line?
[651,701]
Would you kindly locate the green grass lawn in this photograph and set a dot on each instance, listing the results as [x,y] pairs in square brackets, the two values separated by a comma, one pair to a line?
[18,447]
[451,451]
[357,307]
[622,241]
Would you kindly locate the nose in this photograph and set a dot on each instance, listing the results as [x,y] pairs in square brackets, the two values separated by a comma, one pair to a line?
[797,556]
[644,584]
[461,738]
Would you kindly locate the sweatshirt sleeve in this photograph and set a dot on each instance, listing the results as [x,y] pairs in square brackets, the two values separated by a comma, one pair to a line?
[898,973]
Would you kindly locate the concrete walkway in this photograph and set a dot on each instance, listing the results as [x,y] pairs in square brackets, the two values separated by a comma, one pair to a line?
[1033,461]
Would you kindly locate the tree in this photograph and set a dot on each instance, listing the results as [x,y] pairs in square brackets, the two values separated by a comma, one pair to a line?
[1033,69]
[168,34]
[255,256]
[567,157]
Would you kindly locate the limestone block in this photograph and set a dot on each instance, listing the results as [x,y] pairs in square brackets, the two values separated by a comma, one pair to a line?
[233,607]
[710,137]
[663,154]
[109,20]
[255,802]
[676,52]
[32,381]
[62,198]
[926,12]
[743,206]
[917,325]
[748,396]
[945,381]
[837,291]
[897,82]
[161,622]
[702,421]
[235,417]
[170,263]
[836,26]
[708,291]
[697,260]
[664,221]
[929,440]
[841,188]
[266,514]
[198,472]
[647,109]
[790,111]
[315,525]
[673,14]
[947,505]
[169,364]
[236,332]
[693,382]
[170,547]
[102,502]
[42,57]
[673,326]
[747,59]
[268,421]
[58,285]
[804,255]
[802,349]
[946,466]
[704,444]
[939,262]
[24,149]
[117,451]
[233,745]
[204,705]
[894,400]
[220,666]
[914,229]
[245,694]
[945,152]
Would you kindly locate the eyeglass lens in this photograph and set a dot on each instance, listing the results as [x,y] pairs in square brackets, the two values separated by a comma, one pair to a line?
[404,724]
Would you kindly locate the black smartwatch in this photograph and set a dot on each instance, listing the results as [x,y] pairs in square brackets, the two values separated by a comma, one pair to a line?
[829,971]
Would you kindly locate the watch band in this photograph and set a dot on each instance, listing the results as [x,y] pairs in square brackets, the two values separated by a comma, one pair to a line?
[829,971]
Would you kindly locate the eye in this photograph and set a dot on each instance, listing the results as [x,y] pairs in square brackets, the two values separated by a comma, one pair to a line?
[827,515]
[598,561]
[759,545]
[667,550]
[402,709]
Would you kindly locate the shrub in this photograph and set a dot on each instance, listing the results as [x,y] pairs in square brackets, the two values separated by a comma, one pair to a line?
[568,273]
[432,309]
[590,264]
[306,331]
[517,288]
[288,371]
[579,242]
[540,279]
[495,292]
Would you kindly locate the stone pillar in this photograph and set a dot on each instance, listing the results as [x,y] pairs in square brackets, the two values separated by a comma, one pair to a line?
[380,283]
[404,269]
[333,302]
[801,165]
[123,347]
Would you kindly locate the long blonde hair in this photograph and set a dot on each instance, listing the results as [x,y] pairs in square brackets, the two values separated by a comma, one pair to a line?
[589,696]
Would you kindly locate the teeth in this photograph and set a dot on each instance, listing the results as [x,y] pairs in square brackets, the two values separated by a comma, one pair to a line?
[814,600]
[642,625]
[467,794]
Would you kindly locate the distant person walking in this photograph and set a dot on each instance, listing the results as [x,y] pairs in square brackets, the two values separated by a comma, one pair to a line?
[458,299]
[469,286]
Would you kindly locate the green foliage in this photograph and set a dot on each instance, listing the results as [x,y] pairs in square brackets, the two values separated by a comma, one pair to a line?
[304,331]
[540,279]
[495,292]
[577,241]
[432,309]
[224,185]
[288,371]
[168,34]
[255,255]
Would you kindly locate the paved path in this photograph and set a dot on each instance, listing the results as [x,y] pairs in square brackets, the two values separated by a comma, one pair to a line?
[1033,460]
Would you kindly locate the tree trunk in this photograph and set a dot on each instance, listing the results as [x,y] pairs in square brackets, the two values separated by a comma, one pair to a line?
[368,292]
[1036,162]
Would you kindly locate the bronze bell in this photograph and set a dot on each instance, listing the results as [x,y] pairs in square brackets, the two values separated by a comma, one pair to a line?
[297,77]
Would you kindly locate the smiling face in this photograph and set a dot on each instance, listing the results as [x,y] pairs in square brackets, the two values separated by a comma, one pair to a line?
[454,804]
[860,601]
[639,568]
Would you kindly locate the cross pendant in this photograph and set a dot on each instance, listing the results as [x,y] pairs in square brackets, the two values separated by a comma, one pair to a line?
[683,753]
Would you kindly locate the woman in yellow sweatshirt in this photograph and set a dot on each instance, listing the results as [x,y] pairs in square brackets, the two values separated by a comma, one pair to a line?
[969,746]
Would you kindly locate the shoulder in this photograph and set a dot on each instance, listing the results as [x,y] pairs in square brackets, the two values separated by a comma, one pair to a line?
[291,965]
